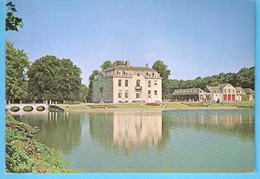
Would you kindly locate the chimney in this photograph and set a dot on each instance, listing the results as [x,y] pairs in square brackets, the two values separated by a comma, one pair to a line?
[127,63]
[147,66]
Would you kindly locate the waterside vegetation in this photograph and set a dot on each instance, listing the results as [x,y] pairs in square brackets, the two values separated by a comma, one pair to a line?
[25,154]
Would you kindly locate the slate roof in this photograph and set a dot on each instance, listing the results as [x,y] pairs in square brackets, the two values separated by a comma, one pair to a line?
[212,89]
[240,90]
[249,91]
[190,91]
[123,67]
[128,71]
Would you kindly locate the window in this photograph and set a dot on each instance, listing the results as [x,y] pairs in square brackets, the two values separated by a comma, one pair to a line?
[126,83]
[149,91]
[137,95]
[149,83]
[229,90]
[119,94]
[119,83]
[137,83]
[126,94]
[155,92]
[155,82]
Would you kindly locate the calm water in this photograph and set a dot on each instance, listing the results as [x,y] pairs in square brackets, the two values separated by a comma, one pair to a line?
[151,141]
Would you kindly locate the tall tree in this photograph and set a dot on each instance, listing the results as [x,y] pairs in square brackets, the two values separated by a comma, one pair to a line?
[107,64]
[83,93]
[17,62]
[51,78]
[90,87]
[245,78]
[161,68]
[11,21]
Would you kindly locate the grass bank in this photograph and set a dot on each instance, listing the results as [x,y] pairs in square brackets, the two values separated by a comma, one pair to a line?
[25,154]
[163,105]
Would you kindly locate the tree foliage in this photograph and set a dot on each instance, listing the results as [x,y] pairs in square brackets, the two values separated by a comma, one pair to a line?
[161,68]
[83,93]
[119,62]
[107,64]
[12,22]
[244,78]
[51,78]
[90,87]
[25,154]
[164,72]
[17,62]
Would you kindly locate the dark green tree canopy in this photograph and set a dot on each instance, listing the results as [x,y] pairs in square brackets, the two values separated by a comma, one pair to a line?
[51,78]
[17,62]
[12,22]
[161,68]
[245,78]
[107,64]
[90,87]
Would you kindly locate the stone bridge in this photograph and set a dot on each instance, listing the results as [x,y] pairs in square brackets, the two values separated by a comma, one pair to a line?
[21,106]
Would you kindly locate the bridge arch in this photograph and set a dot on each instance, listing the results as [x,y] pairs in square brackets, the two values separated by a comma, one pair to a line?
[26,107]
[15,109]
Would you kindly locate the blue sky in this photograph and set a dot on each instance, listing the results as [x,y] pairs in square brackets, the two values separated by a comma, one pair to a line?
[193,37]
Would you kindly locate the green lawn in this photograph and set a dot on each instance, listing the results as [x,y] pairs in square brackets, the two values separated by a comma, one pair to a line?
[81,106]
[167,105]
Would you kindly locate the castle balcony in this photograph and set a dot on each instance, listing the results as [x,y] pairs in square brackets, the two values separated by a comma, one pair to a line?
[138,87]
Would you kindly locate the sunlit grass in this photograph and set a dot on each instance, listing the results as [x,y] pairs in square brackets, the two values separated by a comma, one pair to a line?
[163,105]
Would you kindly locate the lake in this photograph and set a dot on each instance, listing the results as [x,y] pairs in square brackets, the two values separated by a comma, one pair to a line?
[177,141]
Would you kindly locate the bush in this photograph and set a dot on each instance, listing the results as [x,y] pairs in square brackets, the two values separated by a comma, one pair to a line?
[25,154]
[153,104]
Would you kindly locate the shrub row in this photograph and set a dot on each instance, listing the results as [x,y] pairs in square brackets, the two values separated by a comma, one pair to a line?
[152,104]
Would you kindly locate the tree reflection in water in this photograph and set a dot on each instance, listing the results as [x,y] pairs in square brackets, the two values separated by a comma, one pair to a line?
[57,130]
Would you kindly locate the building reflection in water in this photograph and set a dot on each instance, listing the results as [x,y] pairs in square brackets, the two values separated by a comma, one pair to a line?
[126,129]
[239,123]
[132,129]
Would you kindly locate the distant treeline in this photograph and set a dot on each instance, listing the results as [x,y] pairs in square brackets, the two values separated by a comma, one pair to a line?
[244,78]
